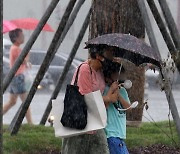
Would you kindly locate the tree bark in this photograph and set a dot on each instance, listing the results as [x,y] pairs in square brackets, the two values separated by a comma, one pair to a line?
[122,16]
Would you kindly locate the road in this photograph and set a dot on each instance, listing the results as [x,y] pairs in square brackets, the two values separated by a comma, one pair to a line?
[158,106]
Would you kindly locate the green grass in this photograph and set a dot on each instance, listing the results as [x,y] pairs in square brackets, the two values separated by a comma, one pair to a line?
[39,139]
[149,134]
[31,139]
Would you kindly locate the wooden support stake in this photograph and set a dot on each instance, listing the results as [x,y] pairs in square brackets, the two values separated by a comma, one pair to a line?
[170,23]
[72,18]
[173,30]
[162,26]
[65,70]
[165,34]
[153,43]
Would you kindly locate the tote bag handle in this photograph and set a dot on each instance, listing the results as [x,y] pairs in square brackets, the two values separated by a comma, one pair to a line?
[76,78]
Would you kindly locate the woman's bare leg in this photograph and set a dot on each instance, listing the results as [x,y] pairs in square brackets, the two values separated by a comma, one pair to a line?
[11,102]
[28,113]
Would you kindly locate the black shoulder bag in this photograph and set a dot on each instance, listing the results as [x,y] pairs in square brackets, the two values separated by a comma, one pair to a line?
[75,109]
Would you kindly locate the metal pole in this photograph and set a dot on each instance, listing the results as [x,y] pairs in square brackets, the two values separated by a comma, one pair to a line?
[1,77]
[66,68]
[17,120]
[153,42]
[170,22]
[29,44]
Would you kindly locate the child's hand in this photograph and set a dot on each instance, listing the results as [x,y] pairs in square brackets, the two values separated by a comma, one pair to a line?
[113,87]
[113,97]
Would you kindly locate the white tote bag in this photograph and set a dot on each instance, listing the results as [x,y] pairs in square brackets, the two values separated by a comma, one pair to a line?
[96,115]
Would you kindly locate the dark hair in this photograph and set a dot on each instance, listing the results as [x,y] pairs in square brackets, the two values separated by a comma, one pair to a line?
[96,50]
[113,69]
[100,49]
[14,34]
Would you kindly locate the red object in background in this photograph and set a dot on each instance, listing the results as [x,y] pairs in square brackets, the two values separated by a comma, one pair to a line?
[30,24]
[8,26]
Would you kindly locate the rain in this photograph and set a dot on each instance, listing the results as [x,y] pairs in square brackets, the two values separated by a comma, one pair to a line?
[58,38]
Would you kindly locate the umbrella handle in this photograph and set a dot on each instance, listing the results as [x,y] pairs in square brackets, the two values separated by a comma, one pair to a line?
[119,72]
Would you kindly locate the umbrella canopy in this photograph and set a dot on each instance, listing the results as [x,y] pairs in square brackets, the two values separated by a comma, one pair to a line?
[30,24]
[8,26]
[127,47]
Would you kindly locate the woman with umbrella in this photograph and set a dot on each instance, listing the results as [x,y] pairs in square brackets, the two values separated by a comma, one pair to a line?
[138,52]
[91,79]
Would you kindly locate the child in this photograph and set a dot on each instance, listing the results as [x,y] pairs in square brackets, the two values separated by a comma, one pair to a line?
[116,120]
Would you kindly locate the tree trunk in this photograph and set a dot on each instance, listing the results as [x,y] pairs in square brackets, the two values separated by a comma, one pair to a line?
[122,16]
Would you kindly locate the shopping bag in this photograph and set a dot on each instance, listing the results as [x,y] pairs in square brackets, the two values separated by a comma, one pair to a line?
[96,118]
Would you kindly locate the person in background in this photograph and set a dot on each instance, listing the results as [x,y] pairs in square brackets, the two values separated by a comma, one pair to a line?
[18,85]
[91,79]
[116,120]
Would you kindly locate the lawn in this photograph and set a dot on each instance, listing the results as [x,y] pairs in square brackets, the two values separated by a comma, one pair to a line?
[150,133]
[40,139]
[31,139]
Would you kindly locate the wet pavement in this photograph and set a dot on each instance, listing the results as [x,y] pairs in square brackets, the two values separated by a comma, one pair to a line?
[158,106]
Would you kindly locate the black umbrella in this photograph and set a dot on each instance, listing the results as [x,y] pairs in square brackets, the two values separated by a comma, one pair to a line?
[127,47]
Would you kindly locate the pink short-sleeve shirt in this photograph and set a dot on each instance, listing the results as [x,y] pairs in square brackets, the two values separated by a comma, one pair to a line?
[14,54]
[89,80]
